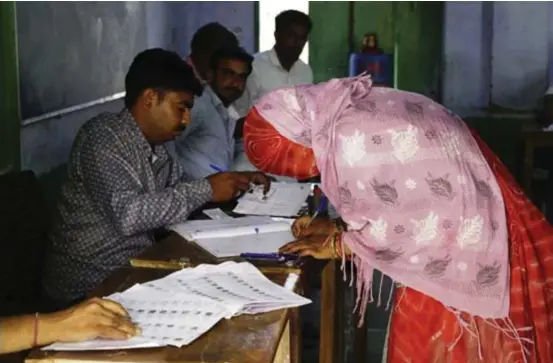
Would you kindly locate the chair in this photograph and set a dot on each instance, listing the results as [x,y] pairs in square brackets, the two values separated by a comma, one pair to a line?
[24,223]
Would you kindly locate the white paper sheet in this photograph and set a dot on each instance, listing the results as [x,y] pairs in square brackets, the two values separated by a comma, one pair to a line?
[283,200]
[197,229]
[251,243]
[184,305]
[216,214]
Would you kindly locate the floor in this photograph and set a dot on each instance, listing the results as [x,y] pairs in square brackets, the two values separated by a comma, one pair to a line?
[376,324]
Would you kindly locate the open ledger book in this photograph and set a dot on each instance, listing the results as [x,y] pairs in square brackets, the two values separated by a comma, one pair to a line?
[231,237]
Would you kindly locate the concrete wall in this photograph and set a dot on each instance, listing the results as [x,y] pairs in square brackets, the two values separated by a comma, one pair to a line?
[498,53]
[45,145]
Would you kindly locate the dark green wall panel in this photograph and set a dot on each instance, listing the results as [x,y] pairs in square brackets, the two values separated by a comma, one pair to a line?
[9,101]
[412,30]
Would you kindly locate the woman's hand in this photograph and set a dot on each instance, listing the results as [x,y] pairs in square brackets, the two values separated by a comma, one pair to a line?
[94,318]
[303,227]
[316,245]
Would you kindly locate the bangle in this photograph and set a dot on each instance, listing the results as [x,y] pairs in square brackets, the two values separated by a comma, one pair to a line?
[333,245]
[35,339]
[339,249]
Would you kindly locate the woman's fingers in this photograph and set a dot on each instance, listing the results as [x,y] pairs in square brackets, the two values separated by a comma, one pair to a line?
[299,226]
[113,307]
[295,247]
[122,324]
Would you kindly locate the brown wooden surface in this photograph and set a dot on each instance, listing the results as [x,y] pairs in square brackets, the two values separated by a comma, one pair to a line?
[244,339]
[331,346]
[534,137]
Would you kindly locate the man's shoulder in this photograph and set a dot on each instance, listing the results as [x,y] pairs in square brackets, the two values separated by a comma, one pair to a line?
[102,128]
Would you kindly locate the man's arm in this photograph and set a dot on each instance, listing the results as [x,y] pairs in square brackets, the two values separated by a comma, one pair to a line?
[114,185]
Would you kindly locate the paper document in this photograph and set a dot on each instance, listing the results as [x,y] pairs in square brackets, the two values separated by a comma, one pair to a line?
[179,308]
[283,200]
[216,213]
[232,237]
[250,243]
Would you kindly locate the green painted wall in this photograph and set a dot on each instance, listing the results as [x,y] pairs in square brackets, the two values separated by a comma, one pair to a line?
[411,30]
[9,95]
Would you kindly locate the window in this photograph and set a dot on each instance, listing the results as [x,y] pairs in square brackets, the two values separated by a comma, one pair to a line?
[268,10]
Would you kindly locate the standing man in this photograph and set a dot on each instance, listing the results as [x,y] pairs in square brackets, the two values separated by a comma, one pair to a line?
[206,41]
[122,184]
[208,142]
[280,66]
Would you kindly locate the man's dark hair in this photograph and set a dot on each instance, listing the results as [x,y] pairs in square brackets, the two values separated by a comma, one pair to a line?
[229,52]
[160,70]
[211,37]
[292,17]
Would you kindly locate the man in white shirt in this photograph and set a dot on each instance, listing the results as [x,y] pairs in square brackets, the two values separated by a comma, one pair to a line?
[279,66]
[275,68]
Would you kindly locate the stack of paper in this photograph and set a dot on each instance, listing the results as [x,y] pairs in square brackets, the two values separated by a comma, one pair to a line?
[283,200]
[179,308]
[231,237]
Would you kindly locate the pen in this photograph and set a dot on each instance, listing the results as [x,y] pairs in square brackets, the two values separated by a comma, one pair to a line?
[216,168]
[320,208]
[269,256]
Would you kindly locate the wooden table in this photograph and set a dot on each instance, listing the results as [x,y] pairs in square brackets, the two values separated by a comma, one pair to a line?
[269,337]
[533,137]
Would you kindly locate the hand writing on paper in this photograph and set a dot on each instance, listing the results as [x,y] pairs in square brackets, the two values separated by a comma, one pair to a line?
[227,186]
[304,227]
[315,246]
[94,318]
[259,178]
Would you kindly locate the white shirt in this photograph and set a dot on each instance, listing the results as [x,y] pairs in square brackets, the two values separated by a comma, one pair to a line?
[268,75]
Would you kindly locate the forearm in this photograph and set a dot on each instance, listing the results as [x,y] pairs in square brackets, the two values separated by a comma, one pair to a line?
[18,333]
[146,212]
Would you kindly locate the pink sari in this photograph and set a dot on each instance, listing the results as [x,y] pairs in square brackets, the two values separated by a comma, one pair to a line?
[422,205]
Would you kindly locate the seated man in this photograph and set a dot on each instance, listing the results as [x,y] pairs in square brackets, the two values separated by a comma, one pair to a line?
[205,42]
[122,184]
[207,144]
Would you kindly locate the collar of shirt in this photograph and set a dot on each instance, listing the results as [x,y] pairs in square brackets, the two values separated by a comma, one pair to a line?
[273,58]
[227,113]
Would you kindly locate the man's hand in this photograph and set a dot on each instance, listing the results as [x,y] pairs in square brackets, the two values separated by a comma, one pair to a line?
[259,178]
[227,186]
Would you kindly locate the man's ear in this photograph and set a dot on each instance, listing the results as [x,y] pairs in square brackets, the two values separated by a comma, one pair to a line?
[149,98]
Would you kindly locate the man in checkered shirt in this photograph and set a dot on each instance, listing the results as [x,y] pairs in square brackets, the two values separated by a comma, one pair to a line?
[122,184]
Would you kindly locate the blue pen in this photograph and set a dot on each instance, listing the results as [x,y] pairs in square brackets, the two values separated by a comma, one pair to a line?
[269,256]
[216,168]
[320,208]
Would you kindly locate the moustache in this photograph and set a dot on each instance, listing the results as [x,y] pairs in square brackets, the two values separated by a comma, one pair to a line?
[233,90]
